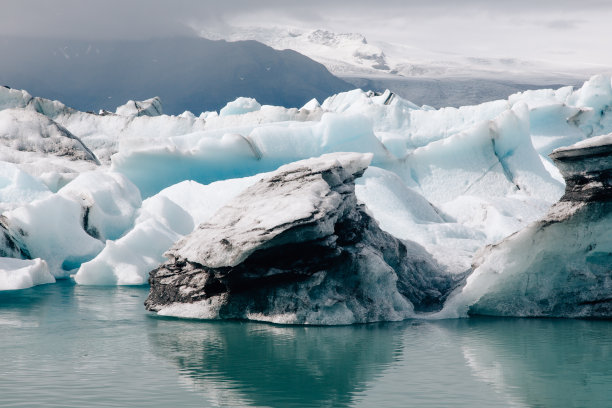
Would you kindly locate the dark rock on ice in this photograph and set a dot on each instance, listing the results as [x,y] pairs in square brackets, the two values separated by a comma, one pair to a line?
[297,247]
[10,245]
[587,169]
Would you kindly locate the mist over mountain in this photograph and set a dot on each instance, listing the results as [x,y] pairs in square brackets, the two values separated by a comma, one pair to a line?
[193,74]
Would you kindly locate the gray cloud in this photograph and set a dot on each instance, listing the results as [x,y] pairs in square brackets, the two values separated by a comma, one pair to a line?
[523,29]
[155,18]
[564,24]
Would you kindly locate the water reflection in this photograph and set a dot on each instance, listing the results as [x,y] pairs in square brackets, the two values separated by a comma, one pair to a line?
[29,307]
[75,346]
[64,345]
[543,362]
[239,363]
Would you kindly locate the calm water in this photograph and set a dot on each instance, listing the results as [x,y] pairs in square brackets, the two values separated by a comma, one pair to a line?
[63,345]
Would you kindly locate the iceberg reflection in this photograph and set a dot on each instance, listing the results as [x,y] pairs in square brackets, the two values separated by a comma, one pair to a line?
[542,362]
[239,363]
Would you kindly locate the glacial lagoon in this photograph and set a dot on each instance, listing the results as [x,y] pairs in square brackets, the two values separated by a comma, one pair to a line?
[65,345]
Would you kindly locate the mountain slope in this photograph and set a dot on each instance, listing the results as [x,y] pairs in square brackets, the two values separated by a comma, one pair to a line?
[193,74]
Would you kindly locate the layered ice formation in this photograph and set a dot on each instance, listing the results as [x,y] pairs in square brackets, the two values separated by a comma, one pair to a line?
[296,247]
[103,196]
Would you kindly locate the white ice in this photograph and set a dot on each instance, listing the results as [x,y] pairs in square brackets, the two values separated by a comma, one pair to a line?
[18,187]
[240,106]
[149,107]
[162,220]
[23,273]
[452,179]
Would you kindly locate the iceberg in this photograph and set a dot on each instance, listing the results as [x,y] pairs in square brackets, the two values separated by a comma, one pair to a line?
[240,106]
[42,147]
[52,229]
[149,107]
[22,274]
[561,265]
[18,188]
[101,197]
[108,201]
[297,248]
[210,156]
[161,220]
[127,260]
[68,228]
[25,130]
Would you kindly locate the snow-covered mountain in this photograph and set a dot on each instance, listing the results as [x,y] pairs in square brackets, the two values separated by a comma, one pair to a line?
[420,75]
[342,54]
[352,54]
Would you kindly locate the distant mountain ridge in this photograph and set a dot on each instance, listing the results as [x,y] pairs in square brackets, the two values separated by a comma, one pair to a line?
[193,74]
[342,53]
[420,75]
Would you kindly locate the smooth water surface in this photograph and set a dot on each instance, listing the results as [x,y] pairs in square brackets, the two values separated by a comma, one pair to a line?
[63,345]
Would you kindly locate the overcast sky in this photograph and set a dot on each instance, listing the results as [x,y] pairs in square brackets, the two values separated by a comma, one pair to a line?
[570,31]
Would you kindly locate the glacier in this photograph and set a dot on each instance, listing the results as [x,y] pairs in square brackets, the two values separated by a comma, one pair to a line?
[100,197]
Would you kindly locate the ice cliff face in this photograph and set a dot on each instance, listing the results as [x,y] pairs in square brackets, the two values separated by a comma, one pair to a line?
[560,266]
[297,247]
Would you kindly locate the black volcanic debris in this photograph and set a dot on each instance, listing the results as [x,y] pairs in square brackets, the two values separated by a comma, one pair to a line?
[192,74]
[248,260]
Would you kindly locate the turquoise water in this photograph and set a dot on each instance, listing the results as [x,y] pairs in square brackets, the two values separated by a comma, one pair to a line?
[63,345]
